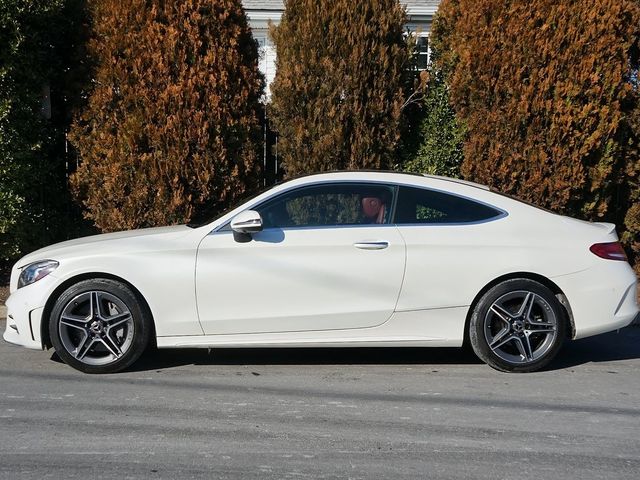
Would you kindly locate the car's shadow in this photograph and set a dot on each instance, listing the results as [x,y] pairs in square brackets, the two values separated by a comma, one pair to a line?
[166,358]
[602,348]
[608,347]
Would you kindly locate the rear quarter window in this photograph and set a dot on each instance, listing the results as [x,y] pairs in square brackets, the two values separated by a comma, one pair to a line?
[424,206]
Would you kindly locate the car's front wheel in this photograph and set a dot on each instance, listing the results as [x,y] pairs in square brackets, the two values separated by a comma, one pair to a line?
[99,326]
[517,326]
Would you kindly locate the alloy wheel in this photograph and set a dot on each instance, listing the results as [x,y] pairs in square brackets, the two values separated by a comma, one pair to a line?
[520,327]
[96,327]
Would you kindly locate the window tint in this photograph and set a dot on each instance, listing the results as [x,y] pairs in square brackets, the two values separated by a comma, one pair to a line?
[326,205]
[419,205]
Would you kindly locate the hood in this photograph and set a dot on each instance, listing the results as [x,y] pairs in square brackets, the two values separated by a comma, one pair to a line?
[105,240]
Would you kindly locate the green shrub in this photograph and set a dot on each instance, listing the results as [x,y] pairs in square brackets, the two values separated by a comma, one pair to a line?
[39,43]
[433,136]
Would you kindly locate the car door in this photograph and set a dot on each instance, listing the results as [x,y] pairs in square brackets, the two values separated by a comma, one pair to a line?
[451,245]
[327,258]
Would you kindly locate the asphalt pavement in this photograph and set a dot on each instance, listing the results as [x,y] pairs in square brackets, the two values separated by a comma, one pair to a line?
[324,413]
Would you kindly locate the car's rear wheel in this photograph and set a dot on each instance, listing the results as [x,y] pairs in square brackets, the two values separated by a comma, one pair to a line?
[99,326]
[517,326]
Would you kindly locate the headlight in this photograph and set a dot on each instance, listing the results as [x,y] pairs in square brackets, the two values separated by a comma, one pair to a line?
[36,271]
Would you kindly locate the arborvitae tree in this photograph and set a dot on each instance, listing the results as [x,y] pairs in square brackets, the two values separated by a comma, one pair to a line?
[40,72]
[631,207]
[337,95]
[549,94]
[172,126]
[439,136]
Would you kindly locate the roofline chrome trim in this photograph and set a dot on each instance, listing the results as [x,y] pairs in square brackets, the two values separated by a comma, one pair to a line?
[503,213]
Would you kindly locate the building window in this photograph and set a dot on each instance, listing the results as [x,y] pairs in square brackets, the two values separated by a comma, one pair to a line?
[421,52]
[267,61]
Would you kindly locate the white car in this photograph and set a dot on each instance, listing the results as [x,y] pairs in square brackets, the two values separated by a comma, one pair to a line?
[338,259]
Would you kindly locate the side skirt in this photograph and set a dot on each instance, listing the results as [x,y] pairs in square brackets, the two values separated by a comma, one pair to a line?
[443,327]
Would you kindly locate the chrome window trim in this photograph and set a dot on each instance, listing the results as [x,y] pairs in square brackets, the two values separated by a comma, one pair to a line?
[323,227]
[396,191]
[501,212]
[391,186]
[501,215]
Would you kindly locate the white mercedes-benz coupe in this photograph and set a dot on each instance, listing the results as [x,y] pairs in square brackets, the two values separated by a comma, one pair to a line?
[343,259]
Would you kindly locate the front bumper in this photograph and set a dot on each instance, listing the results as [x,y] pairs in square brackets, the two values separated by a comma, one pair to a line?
[24,314]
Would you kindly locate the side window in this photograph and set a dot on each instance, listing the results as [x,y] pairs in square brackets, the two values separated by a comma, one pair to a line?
[420,206]
[327,205]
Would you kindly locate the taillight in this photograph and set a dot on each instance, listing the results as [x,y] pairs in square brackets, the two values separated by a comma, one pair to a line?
[610,251]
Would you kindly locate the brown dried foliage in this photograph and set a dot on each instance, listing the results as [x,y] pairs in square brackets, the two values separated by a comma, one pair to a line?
[337,95]
[171,126]
[549,93]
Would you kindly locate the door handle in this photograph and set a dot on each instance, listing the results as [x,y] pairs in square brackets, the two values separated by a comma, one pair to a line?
[378,245]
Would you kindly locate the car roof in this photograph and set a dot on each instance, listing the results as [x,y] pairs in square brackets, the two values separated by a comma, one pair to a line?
[472,191]
[378,175]
[458,180]
[456,186]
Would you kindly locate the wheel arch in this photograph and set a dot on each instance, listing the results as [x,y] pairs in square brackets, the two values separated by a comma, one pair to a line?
[557,291]
[48,307]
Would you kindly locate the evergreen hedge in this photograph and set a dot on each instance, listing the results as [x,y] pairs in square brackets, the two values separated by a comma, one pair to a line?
[338,94]
[549,95]
[40,56]
[171,129]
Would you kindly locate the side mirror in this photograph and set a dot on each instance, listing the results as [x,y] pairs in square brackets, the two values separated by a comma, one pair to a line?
[247,222]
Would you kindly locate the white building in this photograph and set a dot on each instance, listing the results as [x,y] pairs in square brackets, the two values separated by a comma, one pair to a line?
[261,12]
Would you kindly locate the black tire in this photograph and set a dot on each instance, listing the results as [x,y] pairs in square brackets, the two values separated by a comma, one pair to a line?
[105,338]
[510,336]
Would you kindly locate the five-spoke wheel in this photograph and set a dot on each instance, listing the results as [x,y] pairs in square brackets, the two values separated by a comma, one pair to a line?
[98,326]
[518,325]
[101,326]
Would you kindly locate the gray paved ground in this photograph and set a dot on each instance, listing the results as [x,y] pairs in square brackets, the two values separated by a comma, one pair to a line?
[413,413]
